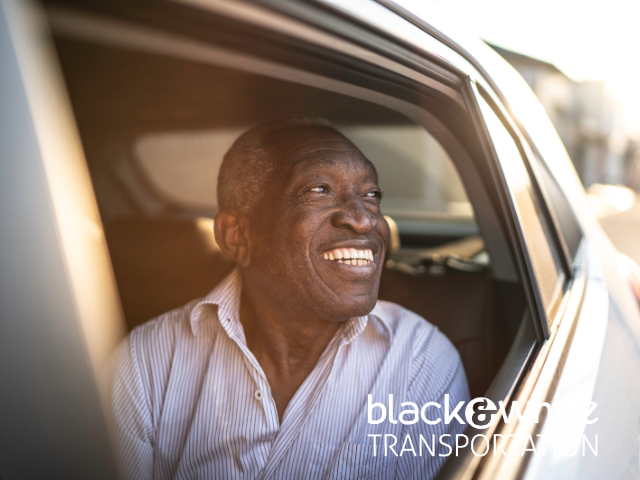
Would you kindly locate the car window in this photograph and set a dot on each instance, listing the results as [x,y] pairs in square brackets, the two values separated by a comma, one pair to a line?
[422,190]
[544,259]
[156,140]
[184,165]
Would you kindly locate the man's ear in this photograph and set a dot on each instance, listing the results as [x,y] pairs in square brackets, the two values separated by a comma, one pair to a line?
[232,231]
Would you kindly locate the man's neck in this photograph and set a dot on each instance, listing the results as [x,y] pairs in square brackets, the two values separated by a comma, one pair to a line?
[286,346]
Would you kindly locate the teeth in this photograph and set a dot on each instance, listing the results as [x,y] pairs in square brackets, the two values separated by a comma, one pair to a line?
[350,256]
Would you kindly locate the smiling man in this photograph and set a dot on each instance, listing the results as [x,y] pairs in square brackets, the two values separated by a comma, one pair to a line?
[269,375]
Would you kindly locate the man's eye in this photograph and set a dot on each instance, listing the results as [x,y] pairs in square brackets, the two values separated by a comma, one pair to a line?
[374,194]
[319,189]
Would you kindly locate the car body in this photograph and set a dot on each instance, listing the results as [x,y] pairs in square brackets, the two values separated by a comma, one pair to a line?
[75,107]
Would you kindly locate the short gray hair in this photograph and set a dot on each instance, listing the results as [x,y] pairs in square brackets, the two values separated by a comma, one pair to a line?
[249,162]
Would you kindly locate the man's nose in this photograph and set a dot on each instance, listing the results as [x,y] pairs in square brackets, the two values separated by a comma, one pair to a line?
[353,214]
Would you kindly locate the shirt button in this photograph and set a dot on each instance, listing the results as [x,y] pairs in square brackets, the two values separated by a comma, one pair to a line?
[258,394]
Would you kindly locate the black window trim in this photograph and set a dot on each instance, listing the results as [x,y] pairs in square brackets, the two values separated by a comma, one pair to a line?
[532,167]
[525,265]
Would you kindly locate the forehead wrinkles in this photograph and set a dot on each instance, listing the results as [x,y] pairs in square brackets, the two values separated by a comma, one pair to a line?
[316,144]
[305,151]
[315,166]
[308,163]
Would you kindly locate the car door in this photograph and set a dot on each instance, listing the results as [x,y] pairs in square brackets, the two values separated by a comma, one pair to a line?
[417,77]
[59,312]
[371,67]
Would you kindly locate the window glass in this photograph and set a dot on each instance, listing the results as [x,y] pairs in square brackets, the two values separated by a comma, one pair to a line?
[544,259]
[421,187]
[422,190]
[184,165]
[565,217]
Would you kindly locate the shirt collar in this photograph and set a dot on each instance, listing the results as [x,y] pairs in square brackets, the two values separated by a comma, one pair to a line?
[226,295]
[356,325]
[386,320]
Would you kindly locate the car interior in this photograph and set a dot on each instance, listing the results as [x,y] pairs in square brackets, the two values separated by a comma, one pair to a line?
[156,126]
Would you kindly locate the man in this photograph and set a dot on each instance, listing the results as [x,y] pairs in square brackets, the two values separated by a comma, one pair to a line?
[269,375]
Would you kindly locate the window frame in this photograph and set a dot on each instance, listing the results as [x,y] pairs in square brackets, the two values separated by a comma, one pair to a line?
[534,164]
[336,37]
[402,92]
[545,315]
[450,56]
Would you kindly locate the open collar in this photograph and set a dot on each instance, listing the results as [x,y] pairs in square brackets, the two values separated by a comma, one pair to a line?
[226,295]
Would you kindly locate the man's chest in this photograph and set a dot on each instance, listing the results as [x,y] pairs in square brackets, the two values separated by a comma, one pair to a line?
[218,418]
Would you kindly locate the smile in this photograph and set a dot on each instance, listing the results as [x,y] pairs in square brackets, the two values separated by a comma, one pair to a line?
[349,256]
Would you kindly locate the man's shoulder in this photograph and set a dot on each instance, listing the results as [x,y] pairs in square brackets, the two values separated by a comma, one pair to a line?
[431,351]
[156,339]
[406,324]
[396,313]
[169,324]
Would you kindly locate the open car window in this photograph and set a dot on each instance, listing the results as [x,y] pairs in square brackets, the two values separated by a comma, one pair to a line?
[167,114]
[156,139]
[422,190]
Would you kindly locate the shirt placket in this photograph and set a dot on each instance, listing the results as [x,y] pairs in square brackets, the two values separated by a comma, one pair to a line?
[262,390]
[300,406]
[261,393]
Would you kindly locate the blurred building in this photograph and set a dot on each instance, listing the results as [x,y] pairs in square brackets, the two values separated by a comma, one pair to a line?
[588,119]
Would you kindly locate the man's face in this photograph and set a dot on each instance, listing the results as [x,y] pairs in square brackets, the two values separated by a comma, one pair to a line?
[320,238]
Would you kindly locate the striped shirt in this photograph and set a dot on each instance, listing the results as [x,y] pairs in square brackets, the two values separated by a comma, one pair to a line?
[191,401]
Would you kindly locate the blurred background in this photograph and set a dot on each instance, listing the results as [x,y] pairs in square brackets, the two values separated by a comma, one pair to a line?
[582,60]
